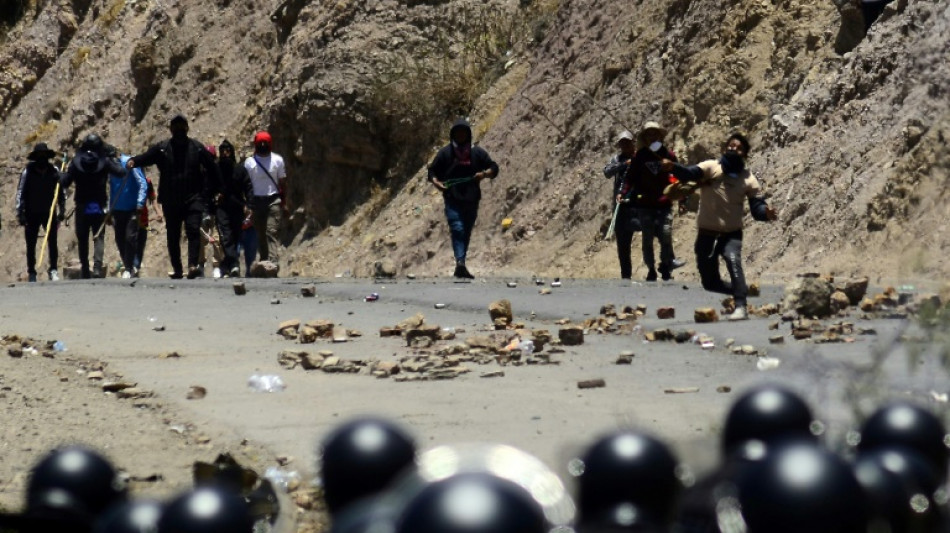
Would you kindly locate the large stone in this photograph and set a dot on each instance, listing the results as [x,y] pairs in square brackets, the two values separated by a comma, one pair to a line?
[429,331]
[288,329]
[264,269]
[571,335]
[500,312]
[809,296]
[412,322]
[324,328]
[307,335]
[666,313]
[839,301]
[705,315]
[384,268]
[855,289]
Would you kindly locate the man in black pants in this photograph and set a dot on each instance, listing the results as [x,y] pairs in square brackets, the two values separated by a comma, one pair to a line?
[182,190]
[34,199]
[626,223]
[725,183]
[232,194]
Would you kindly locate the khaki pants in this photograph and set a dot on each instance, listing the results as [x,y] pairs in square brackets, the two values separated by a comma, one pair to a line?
[267,225]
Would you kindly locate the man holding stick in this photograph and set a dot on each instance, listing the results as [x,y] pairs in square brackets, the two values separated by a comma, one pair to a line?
[38,199]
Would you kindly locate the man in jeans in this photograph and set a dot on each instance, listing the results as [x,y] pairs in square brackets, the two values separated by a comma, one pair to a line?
[90,171]
[725,183]
[269,181]
[457,170]
[643,184]
[34,198]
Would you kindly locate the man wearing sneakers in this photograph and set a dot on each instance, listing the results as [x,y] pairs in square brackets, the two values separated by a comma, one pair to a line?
[457,171]
[269,181]
[725,184]
[34,199]
[643,185]
[128,200]
[182,190]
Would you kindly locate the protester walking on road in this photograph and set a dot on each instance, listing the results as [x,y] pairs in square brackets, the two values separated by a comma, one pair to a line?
[232,195]
[457,171]
[725,184]
[182,190]
[269,180]
[625,220]
[144,222]
[90,171]
[643,185]
[34,200]
[128,200]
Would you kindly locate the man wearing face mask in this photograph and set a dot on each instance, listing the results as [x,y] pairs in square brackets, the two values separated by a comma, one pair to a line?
[182,190]
[231,197]
[725,184]
[643,185]
[269,180]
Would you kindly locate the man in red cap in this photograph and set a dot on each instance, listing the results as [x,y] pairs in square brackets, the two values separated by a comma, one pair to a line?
[269,180]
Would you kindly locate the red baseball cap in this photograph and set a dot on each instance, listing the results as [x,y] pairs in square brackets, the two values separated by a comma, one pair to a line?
[262,137]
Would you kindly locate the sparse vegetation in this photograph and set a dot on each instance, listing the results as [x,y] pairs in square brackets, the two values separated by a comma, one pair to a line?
[82,53]
[415,95]
[111,14]
[42,133]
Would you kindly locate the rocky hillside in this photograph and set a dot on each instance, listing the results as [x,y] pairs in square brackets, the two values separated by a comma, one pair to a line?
[849,131]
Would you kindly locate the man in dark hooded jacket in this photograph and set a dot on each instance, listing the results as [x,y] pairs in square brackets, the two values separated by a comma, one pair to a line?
[90,171]
[232,194]
[182,190]
[457,171]
[34,198]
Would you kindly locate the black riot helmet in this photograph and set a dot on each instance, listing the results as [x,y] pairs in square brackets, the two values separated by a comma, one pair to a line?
[766,413]
[628,468]
[92,143]
[800,486]
[207,509]
[900,485]
[78,477]
[130,517]
[911,426]
[472,503]
[361,458]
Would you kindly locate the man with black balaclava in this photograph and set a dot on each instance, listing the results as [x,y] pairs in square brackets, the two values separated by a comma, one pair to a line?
[724,185]
[34,198]
[269,179]
[232,195]
[457,171]
[182,190]
[90,171]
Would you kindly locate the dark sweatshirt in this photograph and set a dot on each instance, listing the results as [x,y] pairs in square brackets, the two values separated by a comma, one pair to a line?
[645,180]
[453,162]
[90,171]
[34,194]
[181,181]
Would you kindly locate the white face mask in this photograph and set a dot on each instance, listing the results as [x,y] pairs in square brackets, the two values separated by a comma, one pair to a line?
[655,145]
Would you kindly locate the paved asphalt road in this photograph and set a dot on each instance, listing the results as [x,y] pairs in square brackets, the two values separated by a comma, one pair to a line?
[224,339]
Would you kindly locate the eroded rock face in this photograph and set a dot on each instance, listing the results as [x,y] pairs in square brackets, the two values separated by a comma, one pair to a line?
[849,138]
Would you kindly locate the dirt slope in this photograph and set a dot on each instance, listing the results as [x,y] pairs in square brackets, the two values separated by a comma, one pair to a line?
[851,146]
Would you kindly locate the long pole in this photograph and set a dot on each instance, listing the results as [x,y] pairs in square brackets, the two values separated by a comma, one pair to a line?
[52,209]
[613,224]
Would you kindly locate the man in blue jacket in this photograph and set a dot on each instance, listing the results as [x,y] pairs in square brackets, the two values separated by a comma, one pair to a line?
[457,171]
[128,200]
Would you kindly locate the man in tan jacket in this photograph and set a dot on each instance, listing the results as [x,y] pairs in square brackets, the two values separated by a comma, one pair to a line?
[725,184]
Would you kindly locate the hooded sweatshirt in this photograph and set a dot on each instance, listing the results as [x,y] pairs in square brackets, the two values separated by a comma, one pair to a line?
[90,170]
[234,182]
[127,192]
[34,194]
[461,161]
